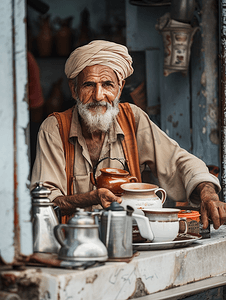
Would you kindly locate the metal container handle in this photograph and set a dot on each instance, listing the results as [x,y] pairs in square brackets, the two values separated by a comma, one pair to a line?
[57,230]
[129,212]
[186,225]
[108,229]
[163,192]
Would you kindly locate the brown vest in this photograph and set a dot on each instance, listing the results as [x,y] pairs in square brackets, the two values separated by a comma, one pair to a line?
[126,121]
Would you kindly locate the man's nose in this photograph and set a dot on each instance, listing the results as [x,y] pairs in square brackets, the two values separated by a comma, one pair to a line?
[98,93]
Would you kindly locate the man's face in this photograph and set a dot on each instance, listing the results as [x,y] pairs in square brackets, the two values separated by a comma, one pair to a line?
[97,95]
[97,84]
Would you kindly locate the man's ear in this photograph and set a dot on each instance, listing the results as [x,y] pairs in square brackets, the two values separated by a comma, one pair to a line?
[123,83]
[121,87]
[72,89]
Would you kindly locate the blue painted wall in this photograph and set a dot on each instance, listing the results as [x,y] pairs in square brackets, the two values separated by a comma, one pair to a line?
[189,104]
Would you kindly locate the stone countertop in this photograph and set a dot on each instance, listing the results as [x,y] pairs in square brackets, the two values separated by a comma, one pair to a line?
[149,272]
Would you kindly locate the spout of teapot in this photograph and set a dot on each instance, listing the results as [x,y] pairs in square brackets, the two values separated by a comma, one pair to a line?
[144,226]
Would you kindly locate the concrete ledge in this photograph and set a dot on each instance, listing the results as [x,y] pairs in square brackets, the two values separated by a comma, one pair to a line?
[150,272]
[189,289]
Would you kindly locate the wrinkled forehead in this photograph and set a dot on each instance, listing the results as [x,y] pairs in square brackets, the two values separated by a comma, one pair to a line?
[97,73]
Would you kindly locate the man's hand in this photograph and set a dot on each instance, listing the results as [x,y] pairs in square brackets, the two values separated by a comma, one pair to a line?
[106,197]
[211,206]
[69,204]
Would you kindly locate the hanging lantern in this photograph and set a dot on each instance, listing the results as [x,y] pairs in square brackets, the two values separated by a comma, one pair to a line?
[177,40]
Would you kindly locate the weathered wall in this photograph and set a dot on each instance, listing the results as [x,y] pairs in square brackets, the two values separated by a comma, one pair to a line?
[189,104]
[15,203]
[204,85]
[223,95]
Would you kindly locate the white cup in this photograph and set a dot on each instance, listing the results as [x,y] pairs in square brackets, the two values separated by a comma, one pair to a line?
[164,223]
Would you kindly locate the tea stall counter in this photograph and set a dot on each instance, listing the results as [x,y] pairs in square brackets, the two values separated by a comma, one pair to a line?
[149,272]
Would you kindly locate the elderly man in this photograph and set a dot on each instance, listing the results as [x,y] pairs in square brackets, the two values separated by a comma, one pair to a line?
[71,143]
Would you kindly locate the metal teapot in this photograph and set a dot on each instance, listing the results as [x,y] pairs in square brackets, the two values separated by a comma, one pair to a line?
[44,220]
[82,241]
[116,230]
[112,178]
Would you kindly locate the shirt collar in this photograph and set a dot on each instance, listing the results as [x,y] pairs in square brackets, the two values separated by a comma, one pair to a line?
[75,129]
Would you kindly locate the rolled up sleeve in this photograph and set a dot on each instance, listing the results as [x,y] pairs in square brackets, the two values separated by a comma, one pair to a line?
[177,170]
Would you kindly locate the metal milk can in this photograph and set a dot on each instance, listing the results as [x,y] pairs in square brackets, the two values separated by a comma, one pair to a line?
[44,220]
[116,230]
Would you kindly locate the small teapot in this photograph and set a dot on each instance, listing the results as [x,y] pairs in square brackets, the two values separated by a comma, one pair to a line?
[160,224]
[82,241]
[112,178]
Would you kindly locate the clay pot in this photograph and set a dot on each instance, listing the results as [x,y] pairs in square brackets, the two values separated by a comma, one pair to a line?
[45,37]
[141,196]
[55,101]
[85,33]
[63,37]
[112,179]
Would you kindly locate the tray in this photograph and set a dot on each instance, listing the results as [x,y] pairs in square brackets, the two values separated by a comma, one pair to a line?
[182,240]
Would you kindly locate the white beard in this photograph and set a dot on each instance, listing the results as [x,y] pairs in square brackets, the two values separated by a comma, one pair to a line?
[98,121]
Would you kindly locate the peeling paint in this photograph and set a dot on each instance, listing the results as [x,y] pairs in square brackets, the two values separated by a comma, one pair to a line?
[67,281]
[175,124]
[203,79]
[214,136]
[24,283]
[91,279]
[204,93]
[207,146]
[179,266]
[213,111]
[215,101]
[223,96]
[140,289]
[170,118]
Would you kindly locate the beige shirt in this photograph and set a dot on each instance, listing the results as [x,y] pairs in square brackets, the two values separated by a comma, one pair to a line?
[178,171]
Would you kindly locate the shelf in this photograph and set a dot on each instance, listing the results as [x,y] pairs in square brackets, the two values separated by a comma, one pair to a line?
[150,3]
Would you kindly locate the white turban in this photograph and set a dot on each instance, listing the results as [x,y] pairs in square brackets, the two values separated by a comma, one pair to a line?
[100,52]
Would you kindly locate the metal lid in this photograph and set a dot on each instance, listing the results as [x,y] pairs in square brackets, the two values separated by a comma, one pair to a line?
[115,206]
[40,191]
[191,214]
[82,217]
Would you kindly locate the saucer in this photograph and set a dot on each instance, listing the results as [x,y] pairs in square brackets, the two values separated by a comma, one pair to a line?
[182,240]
